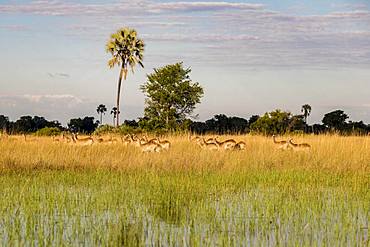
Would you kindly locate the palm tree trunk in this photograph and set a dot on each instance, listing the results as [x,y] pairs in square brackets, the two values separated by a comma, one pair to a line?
[305,123]
[101,118]
[118,94]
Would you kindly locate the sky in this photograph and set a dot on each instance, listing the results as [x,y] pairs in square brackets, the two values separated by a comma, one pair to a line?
[251,56]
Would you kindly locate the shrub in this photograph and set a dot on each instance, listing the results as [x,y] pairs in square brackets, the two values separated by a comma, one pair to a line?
[104,129]
[48,131]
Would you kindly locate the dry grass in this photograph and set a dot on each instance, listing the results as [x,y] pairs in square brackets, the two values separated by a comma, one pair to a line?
[333,153]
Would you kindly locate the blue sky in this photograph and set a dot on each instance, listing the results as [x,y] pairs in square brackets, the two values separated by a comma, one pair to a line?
[250,56]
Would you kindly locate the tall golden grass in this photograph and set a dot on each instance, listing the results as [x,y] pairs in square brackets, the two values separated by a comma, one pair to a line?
[328,152]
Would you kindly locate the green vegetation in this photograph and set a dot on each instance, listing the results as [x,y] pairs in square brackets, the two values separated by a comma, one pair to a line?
[111,207]
[48,131]
[171,97]
[83,125]
[60,194]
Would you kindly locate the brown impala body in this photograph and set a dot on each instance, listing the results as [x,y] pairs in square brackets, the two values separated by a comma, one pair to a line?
[299,146]
[82,141]
[225,145]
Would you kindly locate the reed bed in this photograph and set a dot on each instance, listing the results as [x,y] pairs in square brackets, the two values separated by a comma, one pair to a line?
[65,194]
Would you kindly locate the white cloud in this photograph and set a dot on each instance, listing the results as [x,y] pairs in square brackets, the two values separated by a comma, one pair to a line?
[61,8]
[57,8]
[203,6]
[200,38]
[245,34]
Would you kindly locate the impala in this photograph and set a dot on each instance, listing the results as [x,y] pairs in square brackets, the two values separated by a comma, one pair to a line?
[278,142]
[282,145]
[127,139]
[82,141]
[210,146]
[67,138]
[148,147]
[299,146]
[226,145]
[240,146]
[164,144]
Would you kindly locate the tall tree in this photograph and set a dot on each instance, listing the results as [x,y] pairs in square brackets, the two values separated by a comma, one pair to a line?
[306,110]
[171,95]
[101,109]
[115,113]
[335,120]
[4,123]
[127,51]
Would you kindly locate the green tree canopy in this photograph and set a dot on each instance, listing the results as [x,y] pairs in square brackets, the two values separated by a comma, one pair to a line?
[335,120]
[4,123]
[85,125]
[171,95]
[275,122]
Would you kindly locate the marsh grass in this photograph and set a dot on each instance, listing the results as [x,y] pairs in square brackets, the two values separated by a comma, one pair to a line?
[54,194]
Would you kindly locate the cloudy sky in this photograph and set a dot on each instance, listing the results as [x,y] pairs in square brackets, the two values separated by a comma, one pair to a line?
[250,56]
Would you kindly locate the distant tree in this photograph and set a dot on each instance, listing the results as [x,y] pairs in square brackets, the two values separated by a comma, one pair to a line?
[275,122]
[24,124]
[171,95]
[222,124]
[85,125]
[199,128]
[39,123]
[238,125]
[297,123]
[306,110]
[131,123]
[253,119]
[54,124]
[319,129]
[4,123]
[115,113]
[357,128]
[101,109]
[335,120]
[127,51]
[28,124]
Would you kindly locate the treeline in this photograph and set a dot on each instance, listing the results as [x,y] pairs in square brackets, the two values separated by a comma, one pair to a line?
[275,122]
[39,125]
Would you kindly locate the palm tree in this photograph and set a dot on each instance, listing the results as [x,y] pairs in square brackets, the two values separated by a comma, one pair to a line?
[101,109]
[115,113]
[306,110]
[127,51]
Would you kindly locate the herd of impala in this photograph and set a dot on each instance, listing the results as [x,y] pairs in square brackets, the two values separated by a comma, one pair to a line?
[157,145]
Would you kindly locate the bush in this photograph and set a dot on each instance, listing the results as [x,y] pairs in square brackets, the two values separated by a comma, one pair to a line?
[48,131]
[126,129]
[104,129]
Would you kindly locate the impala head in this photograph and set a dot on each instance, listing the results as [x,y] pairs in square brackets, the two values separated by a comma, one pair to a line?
[241,145]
